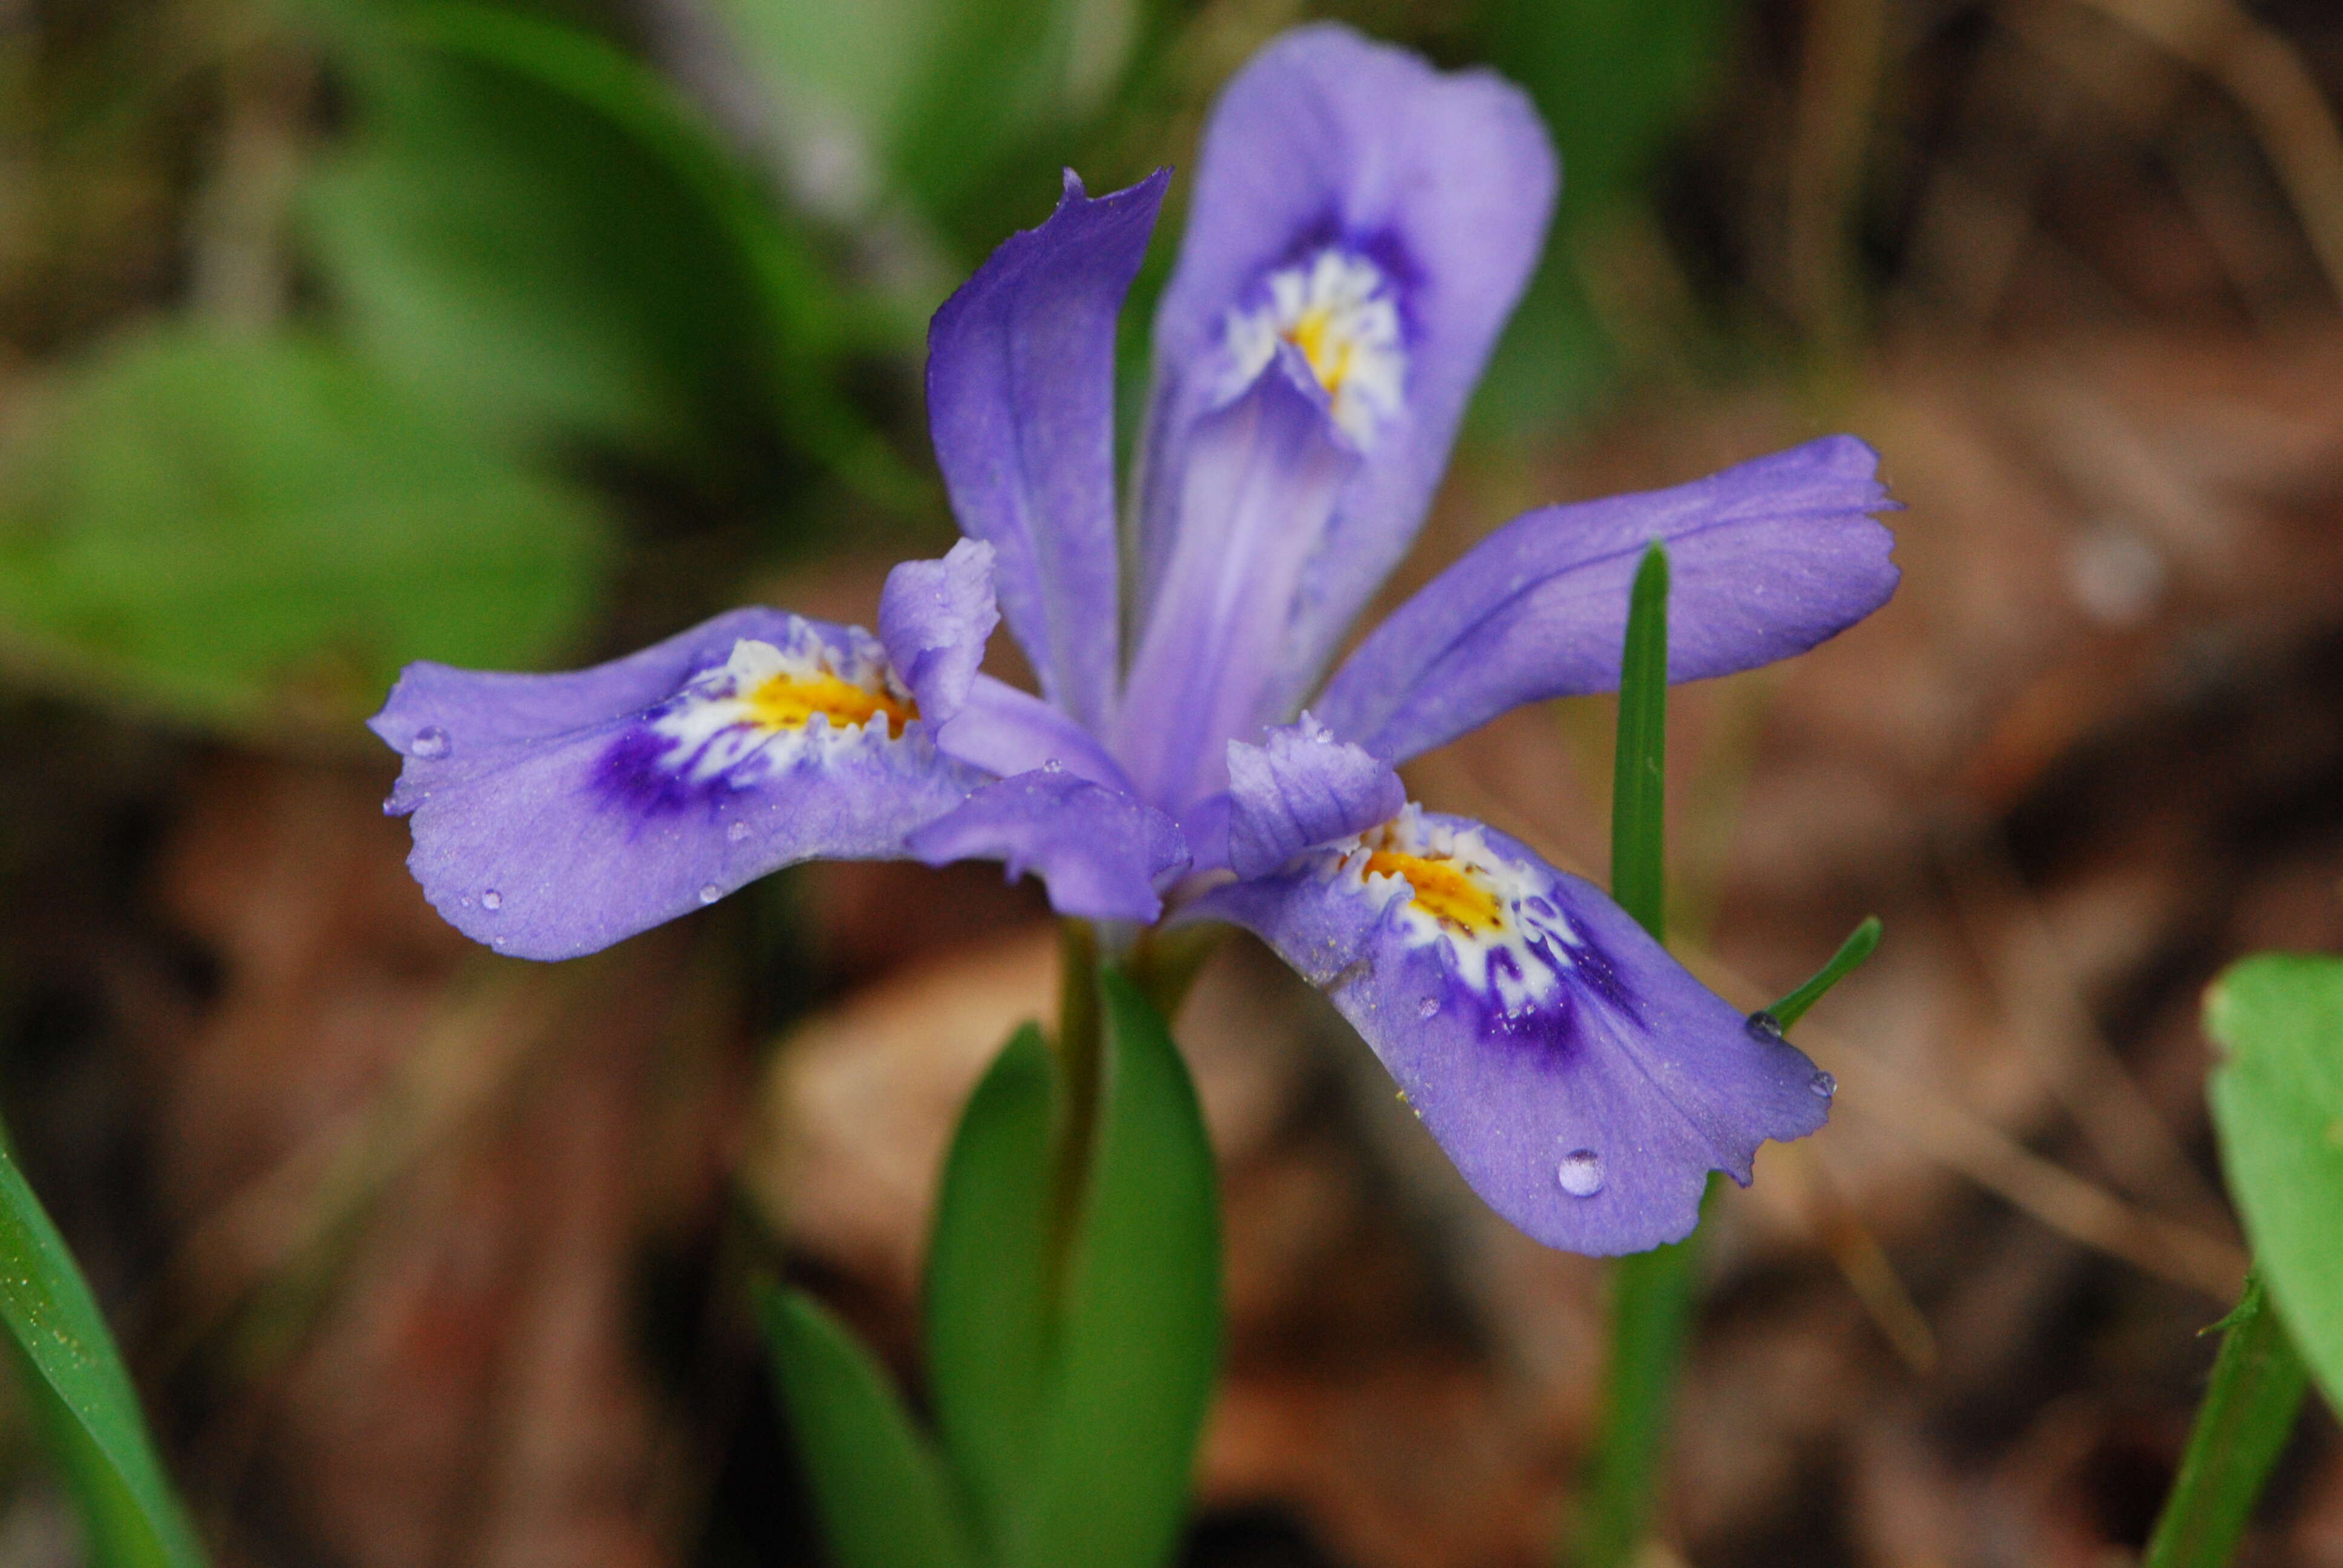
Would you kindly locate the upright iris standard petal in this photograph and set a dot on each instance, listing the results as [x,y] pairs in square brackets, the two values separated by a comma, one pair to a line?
[1021,404]
[1768,558]
[1262,476]
[1582,1081]
[1104,855]
[1382,218]
[933,619]
[1300,788]
[555,814]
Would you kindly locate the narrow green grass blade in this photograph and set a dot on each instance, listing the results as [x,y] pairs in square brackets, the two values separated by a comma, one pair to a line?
[1639,777]
[1650,1293]
[1851,952]
[989,1312]
[877,1486]
[90,1411]
[1142,1315]
[1651,1315]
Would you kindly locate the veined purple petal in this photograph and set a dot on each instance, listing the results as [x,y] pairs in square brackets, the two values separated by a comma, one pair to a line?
[1299,790]
[1104,855]
[1383,216]
[1261,480]
[1021,404]
[1006,731]
[934,619]
[1768,558]
[1582,1081]
[555,814]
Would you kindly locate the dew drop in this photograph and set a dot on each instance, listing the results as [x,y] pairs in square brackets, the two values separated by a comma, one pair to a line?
[1763,1025]
[1822,1086]
[1427,1006]
[430,742]
[1053,766]
[492,900]
[737,832]
[1581,1173]
[709,892]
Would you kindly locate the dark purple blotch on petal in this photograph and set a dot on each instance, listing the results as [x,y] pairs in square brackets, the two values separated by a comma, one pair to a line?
[1589,1115]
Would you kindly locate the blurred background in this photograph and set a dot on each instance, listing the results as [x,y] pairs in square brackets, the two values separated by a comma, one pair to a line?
[339,333]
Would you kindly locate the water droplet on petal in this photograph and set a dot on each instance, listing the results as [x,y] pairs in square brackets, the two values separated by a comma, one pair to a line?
[492,900]
[1763,1025]
[1428,1007]
[709,892]
[1053,766]
[737,832]
[1581,1173]
[1822,1086]
[430,742]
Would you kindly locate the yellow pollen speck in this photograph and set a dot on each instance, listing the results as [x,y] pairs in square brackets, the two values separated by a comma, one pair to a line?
[1329,355]
[790,701]
[1445,890]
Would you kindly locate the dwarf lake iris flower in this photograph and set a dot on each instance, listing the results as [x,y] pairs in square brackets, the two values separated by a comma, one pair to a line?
[1360,228]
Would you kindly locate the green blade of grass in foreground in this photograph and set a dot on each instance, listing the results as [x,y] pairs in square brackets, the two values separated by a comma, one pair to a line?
[89,1412]
[1640,766]
[1851,953]
[1652,1291]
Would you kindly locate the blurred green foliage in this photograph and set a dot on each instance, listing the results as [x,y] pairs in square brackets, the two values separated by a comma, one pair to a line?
[533,274]
[1616,81]
[228,525]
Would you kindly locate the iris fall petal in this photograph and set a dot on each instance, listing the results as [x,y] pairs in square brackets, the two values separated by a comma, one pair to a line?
[1582,1081]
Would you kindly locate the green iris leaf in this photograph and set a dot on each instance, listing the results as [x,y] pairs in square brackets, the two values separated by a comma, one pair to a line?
[1141,1327]
[990,1318]
[2278,1105]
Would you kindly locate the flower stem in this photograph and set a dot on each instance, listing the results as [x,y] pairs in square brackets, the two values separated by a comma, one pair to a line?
[1081,1058]
[2248,1413]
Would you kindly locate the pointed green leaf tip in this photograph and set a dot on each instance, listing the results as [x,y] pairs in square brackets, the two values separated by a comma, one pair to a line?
[877,1487]
[989,1317]
[1858,946]
[2277,1104]
[88,1410]
[1640,764]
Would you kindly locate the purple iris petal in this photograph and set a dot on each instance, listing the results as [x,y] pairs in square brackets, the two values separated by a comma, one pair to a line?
[1301,789]
[1769,558]
[1104,855]
[933,618]
[1261,481]
[1007,731]
[1582,1081]
[1021,404]
[554,815]
[1327,147]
